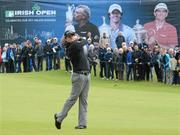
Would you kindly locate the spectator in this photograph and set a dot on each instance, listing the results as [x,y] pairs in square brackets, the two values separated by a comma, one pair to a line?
[129,63]
[173,63]
[92,57]
[68,66]
[31,57]
[120,64]
[24,56]
[40,55]
[166,66]
[115,56]
[146,63]
[10,58]
[56,58]
[4,59]
[156,61]
[119,40]
[48,52]
[18,58]
[137,63]
[176,77]
[0,59]
[101,56]
[109,64]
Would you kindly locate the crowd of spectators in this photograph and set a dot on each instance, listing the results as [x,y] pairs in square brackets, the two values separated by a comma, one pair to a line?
[30,56]
[125,62]
[139,62]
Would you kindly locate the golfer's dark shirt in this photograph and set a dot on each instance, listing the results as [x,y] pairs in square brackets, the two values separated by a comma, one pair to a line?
[88,27]
[79,60]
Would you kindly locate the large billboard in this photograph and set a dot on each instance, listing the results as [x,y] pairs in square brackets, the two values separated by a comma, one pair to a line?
[26,19]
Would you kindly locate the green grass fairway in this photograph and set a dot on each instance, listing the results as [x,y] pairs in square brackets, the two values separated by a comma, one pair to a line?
[28,102]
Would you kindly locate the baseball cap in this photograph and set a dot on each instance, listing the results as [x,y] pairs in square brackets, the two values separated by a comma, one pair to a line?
[108,49]
[55,38]
[131,42]
[69,33]
[48,41]
[115,7]
[91,46]
[6,44]
[35,38]
[161,5]
[145,46]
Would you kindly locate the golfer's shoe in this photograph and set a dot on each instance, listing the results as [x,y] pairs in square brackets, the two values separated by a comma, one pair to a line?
[80,127]
[57,123]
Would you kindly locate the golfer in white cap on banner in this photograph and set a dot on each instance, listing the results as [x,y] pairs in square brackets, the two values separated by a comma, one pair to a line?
[115,13]
[159,31]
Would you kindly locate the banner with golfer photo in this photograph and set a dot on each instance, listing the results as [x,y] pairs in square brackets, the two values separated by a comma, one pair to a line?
[21,20]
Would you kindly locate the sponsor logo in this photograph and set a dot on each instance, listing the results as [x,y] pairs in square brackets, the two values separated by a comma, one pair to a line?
[9,14]
[35,12]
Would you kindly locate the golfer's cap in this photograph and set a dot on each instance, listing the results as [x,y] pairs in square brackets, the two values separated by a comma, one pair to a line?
[89,39]
[145,46]
[156,46]
[69,33]
[48,41]
[91,46]
[36,38]
[108,49]
[6,44]
[115,7]
[55,38]
[131,42]
[161,5]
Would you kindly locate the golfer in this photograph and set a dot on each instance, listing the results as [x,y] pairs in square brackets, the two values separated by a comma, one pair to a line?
[80,79]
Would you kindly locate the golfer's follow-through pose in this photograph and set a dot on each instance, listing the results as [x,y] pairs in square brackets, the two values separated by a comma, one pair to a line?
[80,80]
